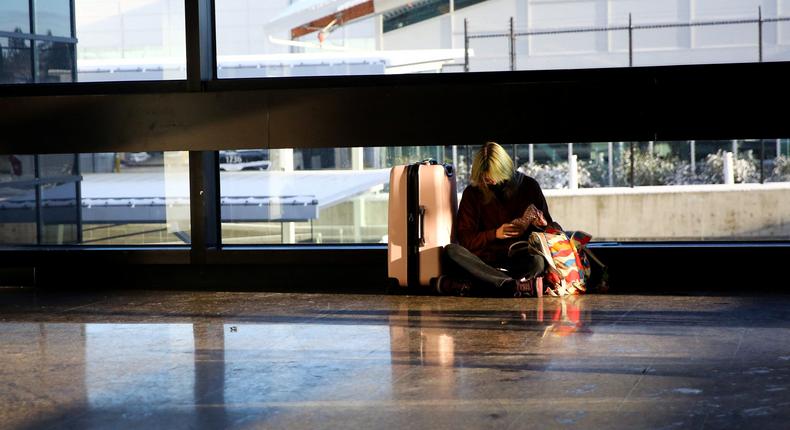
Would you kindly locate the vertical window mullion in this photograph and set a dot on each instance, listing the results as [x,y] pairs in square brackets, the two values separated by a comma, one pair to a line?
[34,51]
[39,211]
[73,11]
[204,201]
[200,43]
[77,171]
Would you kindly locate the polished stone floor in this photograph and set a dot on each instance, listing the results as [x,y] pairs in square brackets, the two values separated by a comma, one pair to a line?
[137,359]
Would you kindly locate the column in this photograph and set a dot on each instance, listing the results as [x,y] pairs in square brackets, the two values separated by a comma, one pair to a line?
[283,161]
[611,164]
[358,164]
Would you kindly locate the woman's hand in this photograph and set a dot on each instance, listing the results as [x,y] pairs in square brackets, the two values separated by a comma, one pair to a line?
[507,231]
[540,220]
[531,216]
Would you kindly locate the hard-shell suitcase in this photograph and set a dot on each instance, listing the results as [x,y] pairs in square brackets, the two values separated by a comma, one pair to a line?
[422,207]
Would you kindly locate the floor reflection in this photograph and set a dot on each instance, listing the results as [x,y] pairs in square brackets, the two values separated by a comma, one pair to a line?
[428,335]
[201,368]
[406,362]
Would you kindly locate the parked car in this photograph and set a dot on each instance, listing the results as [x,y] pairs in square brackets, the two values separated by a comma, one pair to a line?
[244,159]
[131,158]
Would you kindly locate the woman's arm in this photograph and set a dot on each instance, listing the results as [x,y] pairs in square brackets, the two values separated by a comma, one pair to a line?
[468,222]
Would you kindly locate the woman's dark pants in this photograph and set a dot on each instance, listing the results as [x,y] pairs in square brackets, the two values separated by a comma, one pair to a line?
[461,264]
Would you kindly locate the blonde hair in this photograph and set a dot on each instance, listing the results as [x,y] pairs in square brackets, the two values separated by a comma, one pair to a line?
[493,162]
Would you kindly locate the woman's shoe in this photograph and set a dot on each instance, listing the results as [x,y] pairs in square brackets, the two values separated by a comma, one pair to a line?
[532,287]
[448,286]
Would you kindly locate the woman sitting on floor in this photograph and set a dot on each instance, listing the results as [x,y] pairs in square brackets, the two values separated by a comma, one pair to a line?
[485,229]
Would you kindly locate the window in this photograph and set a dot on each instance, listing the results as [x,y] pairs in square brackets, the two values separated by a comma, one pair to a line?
[95,199]
[666,191]
[44,53]
[53,17]
[130,40]
[15,16]
[55,62]
[338,37]
[15,61]
[17,196]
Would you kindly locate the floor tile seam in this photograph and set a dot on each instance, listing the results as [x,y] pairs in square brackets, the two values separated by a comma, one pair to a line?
[738,347]
[633,388]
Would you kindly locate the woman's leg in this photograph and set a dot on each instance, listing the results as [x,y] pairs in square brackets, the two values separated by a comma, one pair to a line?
[525,264]
[461,263]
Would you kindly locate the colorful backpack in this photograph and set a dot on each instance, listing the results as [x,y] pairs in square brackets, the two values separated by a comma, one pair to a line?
[567,259]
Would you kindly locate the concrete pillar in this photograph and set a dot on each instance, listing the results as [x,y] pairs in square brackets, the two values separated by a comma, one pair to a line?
[611,164]
[735,149]
[531,153]
[693,150]
[283,161]
[378,23]
[357,164]
[177,213]
[573,173]
[729,168]
[452,24]
[357,158]
[288,232]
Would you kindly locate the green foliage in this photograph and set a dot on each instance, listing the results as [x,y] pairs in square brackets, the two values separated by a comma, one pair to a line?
[712,171]
[653,169]
[781,170]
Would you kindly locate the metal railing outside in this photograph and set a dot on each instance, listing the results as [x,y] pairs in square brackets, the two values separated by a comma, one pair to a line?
[512,35]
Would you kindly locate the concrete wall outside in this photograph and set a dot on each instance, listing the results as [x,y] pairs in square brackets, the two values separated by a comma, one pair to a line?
[691,212]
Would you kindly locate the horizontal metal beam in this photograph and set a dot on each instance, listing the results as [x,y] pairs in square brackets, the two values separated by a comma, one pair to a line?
[134,122]
[39,37]
[71,257]
[727,101]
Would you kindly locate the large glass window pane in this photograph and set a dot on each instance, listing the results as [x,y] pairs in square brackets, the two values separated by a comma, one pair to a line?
[623,191]
[59,209]
[138,198]
[17,200]
[53,17]
[55,62]
[130,40]
[15,61]
[59,213]
[15,16]
[338,37]
[117,199]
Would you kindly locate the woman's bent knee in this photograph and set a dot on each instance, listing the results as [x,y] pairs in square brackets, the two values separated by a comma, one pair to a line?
[454,250]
